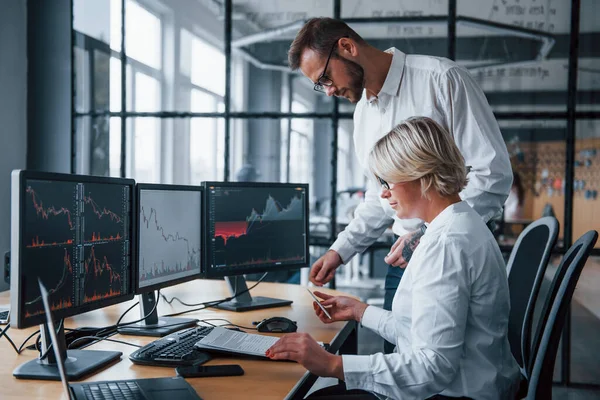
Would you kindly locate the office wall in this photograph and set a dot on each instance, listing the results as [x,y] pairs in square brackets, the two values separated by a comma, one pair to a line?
[13,107]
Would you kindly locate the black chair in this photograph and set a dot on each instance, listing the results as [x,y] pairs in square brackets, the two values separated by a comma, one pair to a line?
[526,267]
[554,314]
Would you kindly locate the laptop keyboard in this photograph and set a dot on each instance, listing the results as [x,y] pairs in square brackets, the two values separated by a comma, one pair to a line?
[113,391]
[176,349]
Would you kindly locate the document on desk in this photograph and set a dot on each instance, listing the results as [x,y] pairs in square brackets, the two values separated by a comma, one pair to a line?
[236,342]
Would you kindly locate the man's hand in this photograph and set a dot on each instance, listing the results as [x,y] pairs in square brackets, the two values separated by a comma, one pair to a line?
[303,349]
[324,268]
[403,249]
[341,308]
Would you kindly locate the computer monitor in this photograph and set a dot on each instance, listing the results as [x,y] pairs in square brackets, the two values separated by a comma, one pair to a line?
[168,250]
[254,227]
[75,234]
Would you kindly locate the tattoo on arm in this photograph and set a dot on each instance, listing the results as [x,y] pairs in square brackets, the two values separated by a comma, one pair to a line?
[411,244]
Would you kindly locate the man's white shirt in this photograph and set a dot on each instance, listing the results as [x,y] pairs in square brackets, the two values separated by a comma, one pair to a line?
[449,319]
[440,89]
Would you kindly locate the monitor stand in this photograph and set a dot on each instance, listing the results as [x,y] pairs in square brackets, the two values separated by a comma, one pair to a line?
[245,302]
[154,325]
[78,363]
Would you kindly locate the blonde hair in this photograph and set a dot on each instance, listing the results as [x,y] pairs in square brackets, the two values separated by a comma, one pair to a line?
[420,149]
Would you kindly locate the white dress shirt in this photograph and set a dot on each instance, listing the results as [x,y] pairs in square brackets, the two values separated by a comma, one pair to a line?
[439,89]
[449,319]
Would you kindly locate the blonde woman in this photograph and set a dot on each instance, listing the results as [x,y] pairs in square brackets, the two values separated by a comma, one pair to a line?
[449,317]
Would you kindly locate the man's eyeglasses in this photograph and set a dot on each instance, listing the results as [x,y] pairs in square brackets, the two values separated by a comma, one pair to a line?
[324,81]
[383,184]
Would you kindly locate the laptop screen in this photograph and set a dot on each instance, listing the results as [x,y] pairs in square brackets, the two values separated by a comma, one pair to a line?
[60,362]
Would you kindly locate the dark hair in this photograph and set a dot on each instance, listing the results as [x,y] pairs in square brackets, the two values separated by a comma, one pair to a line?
[518,184]
[319,34]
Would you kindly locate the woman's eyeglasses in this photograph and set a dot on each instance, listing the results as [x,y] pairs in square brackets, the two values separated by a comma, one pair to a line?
[383,184]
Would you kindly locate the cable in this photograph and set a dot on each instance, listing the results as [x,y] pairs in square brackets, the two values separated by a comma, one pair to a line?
[3,333]
[129,309]
[18,350]
[216,303]
[177,298]
[43,356]
[112,329]
[116,326]
[4,330]
[103,331]
[27,340]
[229,323]
[100,338]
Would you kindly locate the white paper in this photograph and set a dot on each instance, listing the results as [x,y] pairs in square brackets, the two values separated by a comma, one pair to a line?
[238,342]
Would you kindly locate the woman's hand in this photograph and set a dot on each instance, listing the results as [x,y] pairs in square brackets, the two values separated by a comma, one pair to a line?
[341,308]
[303,349]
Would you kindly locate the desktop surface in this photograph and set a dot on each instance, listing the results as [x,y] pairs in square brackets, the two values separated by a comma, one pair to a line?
[263,379]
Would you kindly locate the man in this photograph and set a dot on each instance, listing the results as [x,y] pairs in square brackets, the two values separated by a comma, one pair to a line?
[390,87]
[450,316]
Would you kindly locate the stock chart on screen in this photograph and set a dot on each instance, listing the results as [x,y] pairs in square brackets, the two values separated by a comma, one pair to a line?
[256,226]
[76,239]
[170,235]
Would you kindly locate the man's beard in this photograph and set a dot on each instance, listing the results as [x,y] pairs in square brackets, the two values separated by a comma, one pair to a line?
[357,76]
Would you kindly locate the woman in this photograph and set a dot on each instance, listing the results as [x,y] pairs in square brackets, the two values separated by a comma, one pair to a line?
[449,317]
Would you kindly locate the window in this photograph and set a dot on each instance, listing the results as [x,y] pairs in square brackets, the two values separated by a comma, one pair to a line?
[143,41]
[207,140]
[142,35]
[202,76]
[345,159]
[208,67]
[301,139]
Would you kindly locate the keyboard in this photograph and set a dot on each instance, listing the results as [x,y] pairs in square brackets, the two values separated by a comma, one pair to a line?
[176,349]
[113,390]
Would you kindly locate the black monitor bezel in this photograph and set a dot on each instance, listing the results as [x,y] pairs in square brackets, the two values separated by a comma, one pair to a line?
[18,317]
[231,271]
[153,186]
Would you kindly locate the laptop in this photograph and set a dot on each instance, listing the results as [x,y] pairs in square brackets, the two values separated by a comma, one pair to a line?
[151,389]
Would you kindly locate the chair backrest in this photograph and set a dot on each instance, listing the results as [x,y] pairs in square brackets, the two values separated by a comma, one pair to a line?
[554,315]
[526,267]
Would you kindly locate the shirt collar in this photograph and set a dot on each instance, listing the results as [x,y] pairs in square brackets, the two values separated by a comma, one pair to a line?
[391,85]
[442,218]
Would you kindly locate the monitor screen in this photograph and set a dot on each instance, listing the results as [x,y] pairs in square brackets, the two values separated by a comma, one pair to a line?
[74,233]
[170,235]
[255,227]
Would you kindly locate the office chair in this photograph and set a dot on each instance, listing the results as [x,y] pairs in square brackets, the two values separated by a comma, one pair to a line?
[526,268]
[554,314]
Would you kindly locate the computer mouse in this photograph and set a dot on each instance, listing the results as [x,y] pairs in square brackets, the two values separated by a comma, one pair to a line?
[277,324]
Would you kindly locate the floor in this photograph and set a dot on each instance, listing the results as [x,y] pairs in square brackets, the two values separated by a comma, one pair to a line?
[585,332]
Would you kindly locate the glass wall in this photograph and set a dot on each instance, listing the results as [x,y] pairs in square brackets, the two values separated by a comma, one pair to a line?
[160,109]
